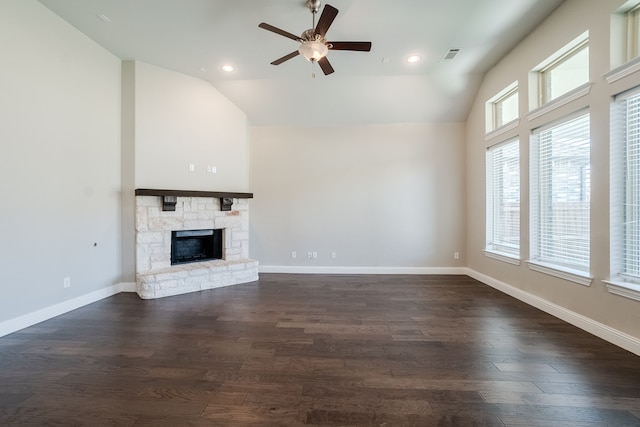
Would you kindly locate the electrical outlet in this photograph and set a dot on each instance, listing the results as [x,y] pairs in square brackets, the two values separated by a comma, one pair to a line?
[66,282]
[310,255]
[192,167]
[315,255]
[333,255]
[294,255]
[456,255]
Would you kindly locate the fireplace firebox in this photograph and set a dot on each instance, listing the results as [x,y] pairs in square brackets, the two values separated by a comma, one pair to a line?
[196,245]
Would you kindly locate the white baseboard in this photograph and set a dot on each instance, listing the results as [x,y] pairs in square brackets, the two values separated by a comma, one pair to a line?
[607,333]
[30,319]
[289,269]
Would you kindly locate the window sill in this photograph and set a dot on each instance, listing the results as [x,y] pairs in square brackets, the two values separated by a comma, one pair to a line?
[502,256]
[623,289]
[623,71]
[565,99]
[502,129]
[575,276]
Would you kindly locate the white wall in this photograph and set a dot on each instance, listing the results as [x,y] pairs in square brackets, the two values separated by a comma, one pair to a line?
[594,302]
[181,120]
[169,121]
[59,161]
[378,195]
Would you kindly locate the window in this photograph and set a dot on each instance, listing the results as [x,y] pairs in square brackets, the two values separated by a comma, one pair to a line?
[632,30]
[503,108]
[624,40]
[561,193]
[565,73]
[625,187]
[503,198]
[506,108]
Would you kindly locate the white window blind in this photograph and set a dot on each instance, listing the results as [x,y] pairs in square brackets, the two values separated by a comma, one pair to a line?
[503,198]
[625,194]
[561,194]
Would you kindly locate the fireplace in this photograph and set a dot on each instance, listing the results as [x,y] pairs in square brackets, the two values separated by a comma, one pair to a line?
[196,245]
[198,241]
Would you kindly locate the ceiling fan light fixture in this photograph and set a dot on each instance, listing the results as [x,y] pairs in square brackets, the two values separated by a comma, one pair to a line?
[313,50]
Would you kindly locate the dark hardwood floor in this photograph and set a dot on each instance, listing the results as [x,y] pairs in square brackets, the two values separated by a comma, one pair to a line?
[317,350]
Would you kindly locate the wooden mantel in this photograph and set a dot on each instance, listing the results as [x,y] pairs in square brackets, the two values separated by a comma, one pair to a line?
[170,197]
[191,193]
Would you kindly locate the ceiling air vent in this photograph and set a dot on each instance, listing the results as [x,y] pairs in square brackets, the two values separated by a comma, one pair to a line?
[451,53]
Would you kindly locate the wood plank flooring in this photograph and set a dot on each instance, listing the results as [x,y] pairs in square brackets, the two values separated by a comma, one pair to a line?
[320,350]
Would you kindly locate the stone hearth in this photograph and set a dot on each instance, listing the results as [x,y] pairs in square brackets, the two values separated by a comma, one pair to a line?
[156,277]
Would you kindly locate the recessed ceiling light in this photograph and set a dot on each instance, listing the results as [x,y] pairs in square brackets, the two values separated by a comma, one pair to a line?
[227,68]
[413,58]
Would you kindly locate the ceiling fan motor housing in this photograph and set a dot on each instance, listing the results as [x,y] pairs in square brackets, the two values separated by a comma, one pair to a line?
[314,5]
[310,35]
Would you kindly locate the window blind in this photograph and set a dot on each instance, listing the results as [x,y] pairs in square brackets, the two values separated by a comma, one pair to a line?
[629,184]
[561,193]
[503,197]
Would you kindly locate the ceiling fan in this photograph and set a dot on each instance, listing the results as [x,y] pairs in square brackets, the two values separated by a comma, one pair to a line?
[313,44]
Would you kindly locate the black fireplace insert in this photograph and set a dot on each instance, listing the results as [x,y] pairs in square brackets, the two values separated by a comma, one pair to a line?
[195,245]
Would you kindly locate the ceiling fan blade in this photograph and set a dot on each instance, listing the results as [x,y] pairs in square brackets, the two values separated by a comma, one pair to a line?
[285,58]
[329,13]
[359,46]
[279,31]
[325,65]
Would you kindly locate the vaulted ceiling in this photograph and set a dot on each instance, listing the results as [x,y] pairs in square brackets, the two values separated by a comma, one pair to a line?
[197,37]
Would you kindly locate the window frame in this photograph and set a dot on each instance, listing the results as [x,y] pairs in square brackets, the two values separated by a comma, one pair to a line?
[632,33]
[497,111]
[620,283]
[575,272]
[620,177]
[493,244]
[544,72]
[492,108]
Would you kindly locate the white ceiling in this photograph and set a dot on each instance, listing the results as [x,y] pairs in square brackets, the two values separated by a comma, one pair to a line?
[196,37]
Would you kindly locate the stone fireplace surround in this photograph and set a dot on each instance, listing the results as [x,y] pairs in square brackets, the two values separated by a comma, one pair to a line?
[155,276]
